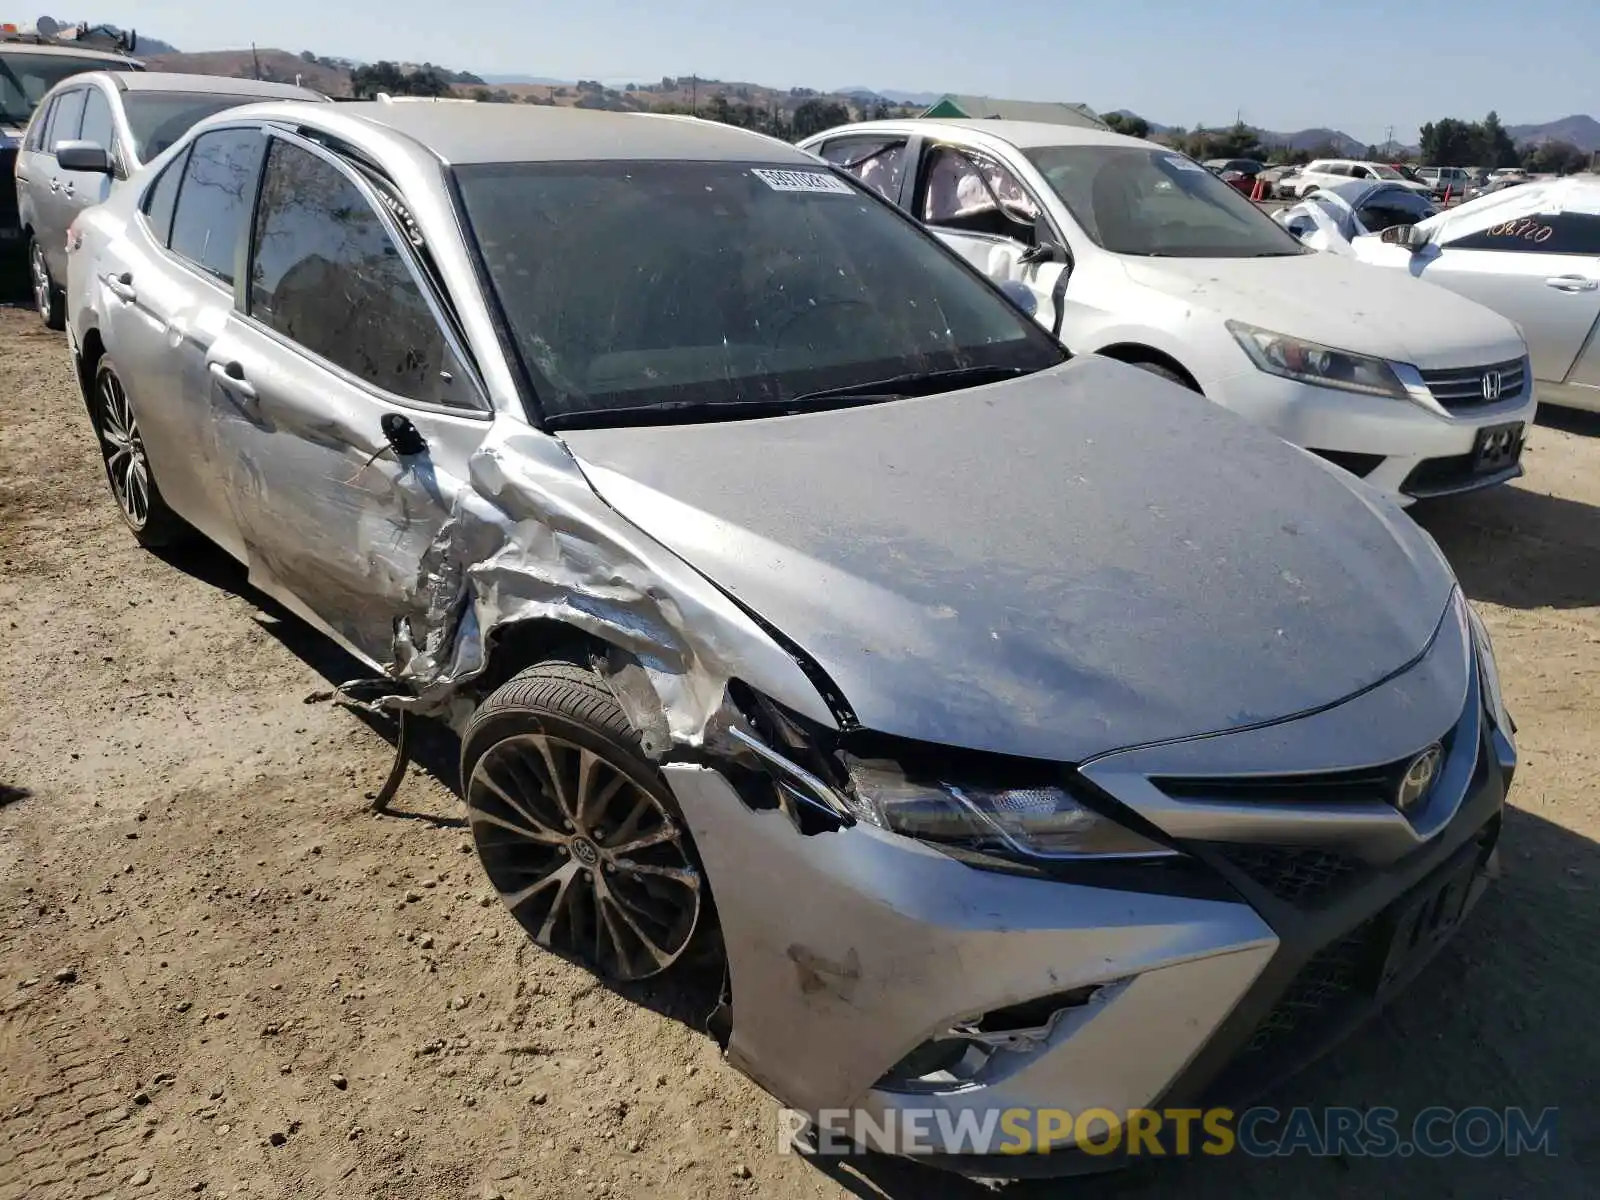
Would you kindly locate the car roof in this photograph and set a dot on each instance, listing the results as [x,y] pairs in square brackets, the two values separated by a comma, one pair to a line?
[1021,134]
[215,85]
[496,133]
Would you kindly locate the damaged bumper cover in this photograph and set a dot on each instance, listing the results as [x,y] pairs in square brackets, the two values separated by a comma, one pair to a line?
[880,974]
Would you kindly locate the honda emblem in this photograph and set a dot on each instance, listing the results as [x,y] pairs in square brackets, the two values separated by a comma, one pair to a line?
[1492,383]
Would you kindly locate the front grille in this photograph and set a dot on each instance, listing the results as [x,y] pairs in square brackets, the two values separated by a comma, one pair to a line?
[1295,874]
[1340,972]
[1442,476]
[1460,388]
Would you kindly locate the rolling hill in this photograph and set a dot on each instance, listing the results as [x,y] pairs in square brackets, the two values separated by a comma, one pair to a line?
[1577,130]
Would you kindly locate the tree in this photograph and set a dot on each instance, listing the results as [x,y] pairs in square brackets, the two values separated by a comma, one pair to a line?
[1127,123]
[1555,158]
[813,116]
[1499,150]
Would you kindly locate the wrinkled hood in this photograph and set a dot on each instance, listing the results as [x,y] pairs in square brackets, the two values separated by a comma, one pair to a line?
[1074,562]
[1339,302]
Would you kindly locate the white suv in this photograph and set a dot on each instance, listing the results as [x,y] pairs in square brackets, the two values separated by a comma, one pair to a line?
[1125,248]
[1327,172]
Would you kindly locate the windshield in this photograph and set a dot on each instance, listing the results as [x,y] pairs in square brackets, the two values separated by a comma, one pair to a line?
[158,119]
[1383,172]
[1147,201]
[25,78]
[638,286]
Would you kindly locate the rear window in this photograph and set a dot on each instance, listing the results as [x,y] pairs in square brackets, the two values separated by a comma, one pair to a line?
[644,286]
[158,119]
[25,78]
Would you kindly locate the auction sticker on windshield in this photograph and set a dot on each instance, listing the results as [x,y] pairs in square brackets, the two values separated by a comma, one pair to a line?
[800,181]
[1183,164]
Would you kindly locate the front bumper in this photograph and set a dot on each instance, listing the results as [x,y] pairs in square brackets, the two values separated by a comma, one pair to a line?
[1399,447]
[849,950]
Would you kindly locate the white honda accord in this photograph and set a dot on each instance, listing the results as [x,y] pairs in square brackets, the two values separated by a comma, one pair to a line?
[1126,248]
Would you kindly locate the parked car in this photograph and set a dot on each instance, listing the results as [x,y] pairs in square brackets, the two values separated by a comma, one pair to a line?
[1490,187]
[1134,251]
[1327,172]
[1507,174]
[1242,166]
[624,443]
[92,132]
[30,65]
[1532,253]
[1356,209]
[1279,180]
[1454,181]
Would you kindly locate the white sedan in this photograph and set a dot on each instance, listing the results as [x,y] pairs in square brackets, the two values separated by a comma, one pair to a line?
[1530,252]
[1125,248]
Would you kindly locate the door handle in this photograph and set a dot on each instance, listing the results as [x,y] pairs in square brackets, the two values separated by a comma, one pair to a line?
[68,187]
[121,286]
[55,185]
[1572,283]
[234,384]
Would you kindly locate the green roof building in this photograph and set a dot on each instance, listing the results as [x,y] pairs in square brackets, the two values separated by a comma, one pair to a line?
[953,107]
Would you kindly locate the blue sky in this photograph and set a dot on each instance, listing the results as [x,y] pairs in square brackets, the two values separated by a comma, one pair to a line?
[1360,65]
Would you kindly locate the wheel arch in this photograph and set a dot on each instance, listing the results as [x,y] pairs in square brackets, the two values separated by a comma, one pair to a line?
[90,353]
[1137,352]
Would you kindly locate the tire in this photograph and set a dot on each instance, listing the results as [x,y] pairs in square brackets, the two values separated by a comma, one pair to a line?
[1310,192]
[128,474]
[608,877]
[48,299]
[1165,373]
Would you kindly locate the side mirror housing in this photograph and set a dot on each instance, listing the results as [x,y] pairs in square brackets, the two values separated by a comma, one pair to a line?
[83,156]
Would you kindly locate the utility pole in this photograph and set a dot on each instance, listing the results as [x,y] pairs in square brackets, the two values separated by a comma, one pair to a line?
[1388,140]
[694,94]
[255,59]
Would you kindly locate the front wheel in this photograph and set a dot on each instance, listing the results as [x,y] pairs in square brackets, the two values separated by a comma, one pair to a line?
[127,468]
[47,297]
[576,829]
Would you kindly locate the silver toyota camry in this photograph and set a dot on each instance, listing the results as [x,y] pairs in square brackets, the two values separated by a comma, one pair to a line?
[1013,731]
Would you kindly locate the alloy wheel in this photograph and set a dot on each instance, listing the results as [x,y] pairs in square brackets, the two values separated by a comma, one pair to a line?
[123,449]
[590,862]
[39,271]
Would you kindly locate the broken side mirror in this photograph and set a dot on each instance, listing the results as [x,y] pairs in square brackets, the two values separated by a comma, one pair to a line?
[83,156]
[1046,248]
[1410,236]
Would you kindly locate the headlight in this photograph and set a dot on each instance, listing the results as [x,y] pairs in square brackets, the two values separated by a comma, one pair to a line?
[1489,673]
[1307,362]
[1038,820]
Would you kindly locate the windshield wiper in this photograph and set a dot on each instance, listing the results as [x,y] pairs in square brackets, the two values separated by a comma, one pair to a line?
[917,383]
[876,391]
[688,412]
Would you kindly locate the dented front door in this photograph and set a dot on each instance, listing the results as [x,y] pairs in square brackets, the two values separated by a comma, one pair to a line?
[345,412]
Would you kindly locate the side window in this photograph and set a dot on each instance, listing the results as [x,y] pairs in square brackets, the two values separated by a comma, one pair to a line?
[1547,233]
[161,197]
[41,122]
[326,274]
[65,119]
[97,126]
[877,162]
[974,194]
[213,209]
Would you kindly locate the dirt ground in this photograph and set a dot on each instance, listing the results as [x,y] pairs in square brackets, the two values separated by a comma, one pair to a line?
[221,975]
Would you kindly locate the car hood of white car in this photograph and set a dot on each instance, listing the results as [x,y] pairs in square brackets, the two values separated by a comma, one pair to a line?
[1339,302]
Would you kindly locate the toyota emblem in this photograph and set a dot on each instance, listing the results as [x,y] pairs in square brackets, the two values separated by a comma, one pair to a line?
[1492,384]
[1418,779]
